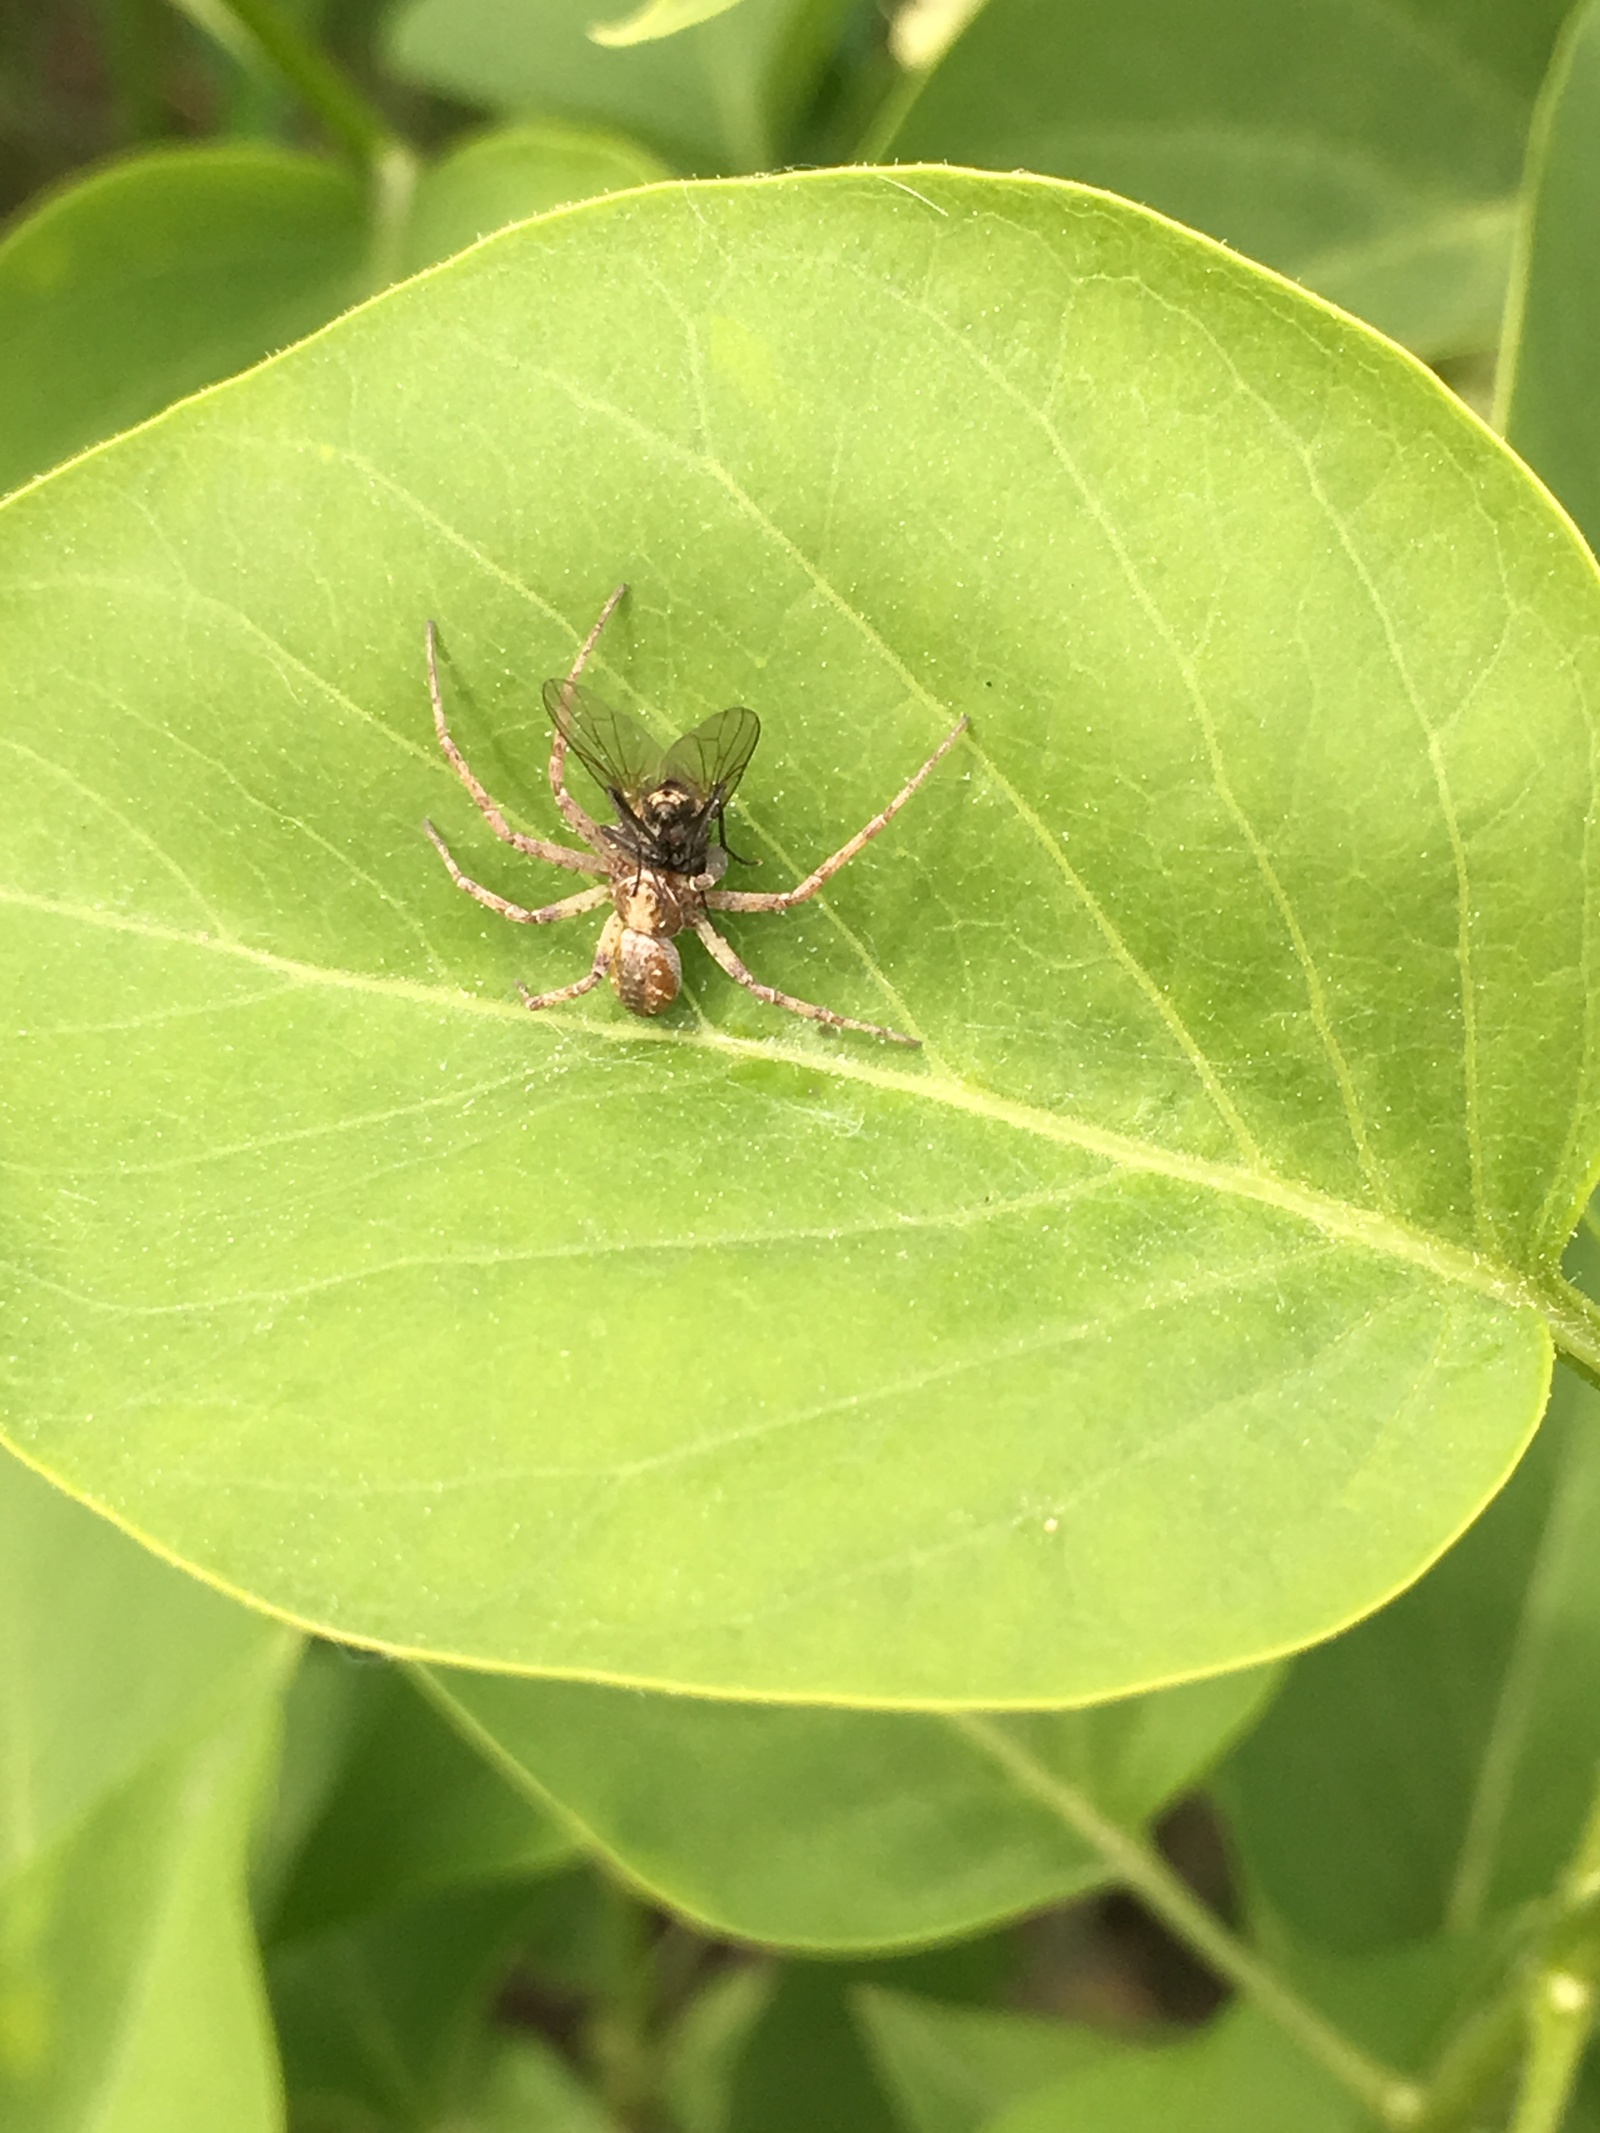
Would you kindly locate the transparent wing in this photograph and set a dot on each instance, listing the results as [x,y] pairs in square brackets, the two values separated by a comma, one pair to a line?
[715,753]
[611,745]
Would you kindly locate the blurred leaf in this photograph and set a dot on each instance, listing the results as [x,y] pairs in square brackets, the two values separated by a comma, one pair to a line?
[1188,1292]
[953,2070]
[174,268]
[580,1933]
[838,1829]
[1372,152]
[657,18]
[108,1655]
[1241,2075]
[1403,2004]
[1432,1767]
[387,2023]
[510,172]
[723,96]
[415,1811]
[530,2089]
[949,2069]
[160,274]
[136,1714]
[323,1712]
[702,2056]
[804,2066]
[1551,409]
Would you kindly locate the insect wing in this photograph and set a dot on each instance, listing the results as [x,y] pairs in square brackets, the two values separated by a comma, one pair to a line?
[716,752]
[619,754]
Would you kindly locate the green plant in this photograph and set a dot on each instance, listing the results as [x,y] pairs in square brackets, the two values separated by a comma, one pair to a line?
[823,1505]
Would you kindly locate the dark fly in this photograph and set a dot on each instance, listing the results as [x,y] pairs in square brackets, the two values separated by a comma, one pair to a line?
[668,800]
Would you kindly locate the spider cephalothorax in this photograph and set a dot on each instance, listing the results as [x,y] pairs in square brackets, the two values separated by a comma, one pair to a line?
[663,870]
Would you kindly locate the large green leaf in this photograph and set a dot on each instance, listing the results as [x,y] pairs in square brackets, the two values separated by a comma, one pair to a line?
[1373,151]
[157,276]
[725,95]
[135,1716]
[1551,412]
[1433,1768]
[1181,1299]
[839,1829]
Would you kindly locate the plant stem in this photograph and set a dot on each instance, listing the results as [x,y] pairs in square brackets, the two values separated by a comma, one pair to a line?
[353,121]
[1575,1324]
[1559,2021]
[1389,2096]
[1561,2003]
[1545,2009]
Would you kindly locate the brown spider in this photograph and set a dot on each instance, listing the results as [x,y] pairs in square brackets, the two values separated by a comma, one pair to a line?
[661,867]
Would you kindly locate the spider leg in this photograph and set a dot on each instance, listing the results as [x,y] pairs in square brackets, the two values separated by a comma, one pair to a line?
[604,955]
[557,855]
[722,953]
[572,813]
[568,907]
[785,899]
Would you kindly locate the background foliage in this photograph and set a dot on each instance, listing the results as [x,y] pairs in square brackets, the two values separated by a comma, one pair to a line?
[837,1521]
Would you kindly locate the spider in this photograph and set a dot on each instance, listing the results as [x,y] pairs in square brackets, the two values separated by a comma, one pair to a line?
[662,870]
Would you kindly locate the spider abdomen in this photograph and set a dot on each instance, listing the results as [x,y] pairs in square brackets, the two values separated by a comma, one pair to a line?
[646,971]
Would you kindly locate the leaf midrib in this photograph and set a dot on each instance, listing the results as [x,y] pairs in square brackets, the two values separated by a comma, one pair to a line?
[1382,1235]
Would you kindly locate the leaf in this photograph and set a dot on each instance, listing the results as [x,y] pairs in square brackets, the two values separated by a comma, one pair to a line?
[657,18]
[158,275]
[135,1717]
[388,2021]
[1548,388]
[529,2085]
[415,1812]
[956,2069]
[174,268]
[1181,1300]
[726,95]
[1432,1769]
[323,1711]
[700,2057]
[837,1829]
[1372,152]
[1241,2075]
[507,173]
[949,2069]
[803,2064]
